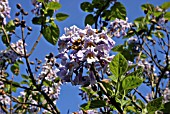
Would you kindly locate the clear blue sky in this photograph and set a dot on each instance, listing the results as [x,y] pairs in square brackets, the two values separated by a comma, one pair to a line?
[69,99]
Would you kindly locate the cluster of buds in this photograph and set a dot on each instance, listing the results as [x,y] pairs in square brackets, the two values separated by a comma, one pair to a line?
[22,22]
[79,49]
[4,10]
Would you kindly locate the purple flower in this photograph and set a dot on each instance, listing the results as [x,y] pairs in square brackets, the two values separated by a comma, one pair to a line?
[118,27]
[83,48]
[4,10]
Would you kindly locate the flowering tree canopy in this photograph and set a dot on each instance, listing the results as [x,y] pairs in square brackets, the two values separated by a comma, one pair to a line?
[109,74]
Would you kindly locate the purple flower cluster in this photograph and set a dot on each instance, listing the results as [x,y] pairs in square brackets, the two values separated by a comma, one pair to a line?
[11,56]
[4,10]
[38,5]
[49,73]
[4,99]
[119,27]
[79,49]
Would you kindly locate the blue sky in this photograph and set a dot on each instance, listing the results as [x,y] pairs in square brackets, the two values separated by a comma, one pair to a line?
[69,99]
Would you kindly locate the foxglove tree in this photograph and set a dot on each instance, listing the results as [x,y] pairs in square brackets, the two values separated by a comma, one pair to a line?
[109,74]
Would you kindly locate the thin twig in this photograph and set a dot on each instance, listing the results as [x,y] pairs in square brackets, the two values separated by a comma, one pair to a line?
[7,39]
[141,95]
[35,44]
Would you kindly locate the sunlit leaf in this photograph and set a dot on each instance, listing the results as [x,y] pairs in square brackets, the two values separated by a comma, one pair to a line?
[54,5]
[165,5]
[131,82]
[118,65]
[167,15]
[10,26]
[61,16]
[51,33]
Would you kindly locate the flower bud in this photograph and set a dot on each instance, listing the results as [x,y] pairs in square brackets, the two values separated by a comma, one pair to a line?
[17,13]
[16,20]
[19,6]
[29,28]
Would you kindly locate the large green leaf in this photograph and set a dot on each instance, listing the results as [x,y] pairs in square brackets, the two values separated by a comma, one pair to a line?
[165,5]
[131,82]
[93,104]
[118,65]
[89,19]
[61,16]
[86,6]
[118,48]
[54,5]
[137,72]
[166,109]
[167,15]
[155,105]
[51,33]
[118,11]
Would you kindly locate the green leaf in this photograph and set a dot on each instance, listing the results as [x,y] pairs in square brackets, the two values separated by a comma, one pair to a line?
[130,108]
[148,7]
[141,104]
[165,5]
[54,5]
[167,15]
[154,105]
[131,82]
[37,20]
[10,26]
[4,39]
[139,20]
[118,48]
[89,19]
[166,108]
[15,69]
[118,65]
[40,0]
[118,11]
[24,82]
[131,67]
[25,76]
[47,83]
[93,104]
[61,16]
[86,6]
[98,4]
[137,72]
[51,33]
